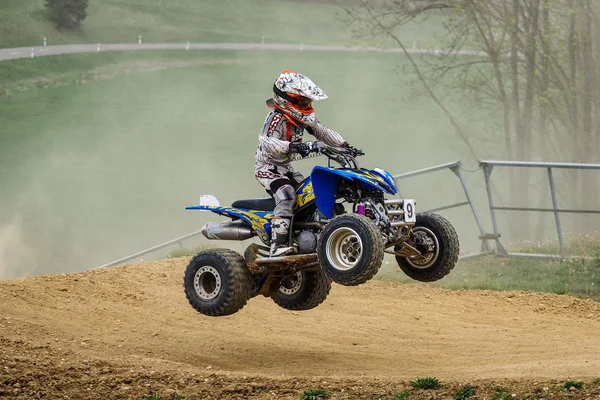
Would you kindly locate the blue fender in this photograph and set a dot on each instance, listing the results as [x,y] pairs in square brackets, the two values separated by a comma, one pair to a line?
[325,182]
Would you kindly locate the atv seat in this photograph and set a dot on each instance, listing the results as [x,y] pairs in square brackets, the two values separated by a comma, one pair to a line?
[262,204]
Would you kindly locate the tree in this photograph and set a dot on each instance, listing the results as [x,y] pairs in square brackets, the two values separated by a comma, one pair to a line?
[67,14]
[540,71]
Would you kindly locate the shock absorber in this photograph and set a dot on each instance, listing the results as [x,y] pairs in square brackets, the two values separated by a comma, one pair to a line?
[364,210]
[360,208]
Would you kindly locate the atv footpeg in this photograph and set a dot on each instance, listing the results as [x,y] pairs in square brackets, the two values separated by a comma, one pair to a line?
[296,261]
[293,260]
[258,261]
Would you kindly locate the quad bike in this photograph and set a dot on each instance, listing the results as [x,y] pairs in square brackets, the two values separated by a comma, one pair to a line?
[331,242]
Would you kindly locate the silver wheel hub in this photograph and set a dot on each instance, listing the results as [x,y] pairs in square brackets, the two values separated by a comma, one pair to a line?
[344,249]
[207,282]
[292,285]
[425,237]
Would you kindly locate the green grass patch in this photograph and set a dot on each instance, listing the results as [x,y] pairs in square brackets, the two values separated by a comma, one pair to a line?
[572,384]
[151,396]
[401,396]
[22,23]
[501,393]
[492,273]
[314,394]
[465,393]
[576,244]
[426,383]
[576,277]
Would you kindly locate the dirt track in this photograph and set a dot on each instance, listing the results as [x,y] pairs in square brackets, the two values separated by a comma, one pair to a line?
[124,332]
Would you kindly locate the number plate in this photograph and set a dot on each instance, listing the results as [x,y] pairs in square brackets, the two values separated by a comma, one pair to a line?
[410,214]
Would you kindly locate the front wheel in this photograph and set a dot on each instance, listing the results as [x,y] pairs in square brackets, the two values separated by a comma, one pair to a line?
[438,243]
[303,291]
[350,249]
[217,282]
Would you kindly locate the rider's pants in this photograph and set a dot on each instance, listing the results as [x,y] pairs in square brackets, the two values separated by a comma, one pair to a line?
[280,182]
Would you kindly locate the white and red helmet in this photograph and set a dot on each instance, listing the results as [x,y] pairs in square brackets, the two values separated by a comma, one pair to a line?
[294,94]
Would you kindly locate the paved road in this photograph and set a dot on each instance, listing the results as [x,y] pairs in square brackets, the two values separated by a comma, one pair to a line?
[26,52]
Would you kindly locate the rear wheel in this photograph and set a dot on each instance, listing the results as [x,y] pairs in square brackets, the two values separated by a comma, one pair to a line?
[217,282]
[303,290]
[350,249]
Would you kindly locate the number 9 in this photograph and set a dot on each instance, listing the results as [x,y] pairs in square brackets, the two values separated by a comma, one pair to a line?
[409,210]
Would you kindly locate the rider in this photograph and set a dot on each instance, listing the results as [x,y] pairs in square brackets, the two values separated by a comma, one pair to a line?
[280,137]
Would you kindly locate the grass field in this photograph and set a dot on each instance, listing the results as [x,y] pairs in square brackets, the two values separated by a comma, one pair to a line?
[101,152]
[22,23]
[577,277]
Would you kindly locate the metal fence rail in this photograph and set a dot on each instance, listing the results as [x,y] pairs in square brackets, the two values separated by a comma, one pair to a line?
[487,171]
[456,168]
[178,241]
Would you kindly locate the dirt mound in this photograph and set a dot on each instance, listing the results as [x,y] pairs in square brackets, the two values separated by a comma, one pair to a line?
[125,332]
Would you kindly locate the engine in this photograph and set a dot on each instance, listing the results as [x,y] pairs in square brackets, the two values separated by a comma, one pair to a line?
[307,242]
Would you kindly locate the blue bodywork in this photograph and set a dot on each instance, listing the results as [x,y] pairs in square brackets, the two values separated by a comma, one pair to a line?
[325,183]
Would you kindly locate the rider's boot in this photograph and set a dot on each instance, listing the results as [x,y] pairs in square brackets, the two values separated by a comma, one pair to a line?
[280,228]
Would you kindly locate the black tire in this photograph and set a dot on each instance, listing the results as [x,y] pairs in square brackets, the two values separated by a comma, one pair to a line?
[443,259]
[350,249]
[303,291]
[217,282]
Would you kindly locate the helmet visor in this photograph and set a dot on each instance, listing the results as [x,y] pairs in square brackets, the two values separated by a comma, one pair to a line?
[303,103]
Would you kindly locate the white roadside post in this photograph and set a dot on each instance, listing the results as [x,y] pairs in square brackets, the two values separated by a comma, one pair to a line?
[187,45]
[98,47]
[139,39]
[32,52]
[44,42]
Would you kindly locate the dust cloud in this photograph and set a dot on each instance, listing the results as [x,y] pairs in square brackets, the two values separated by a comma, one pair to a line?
[14,251]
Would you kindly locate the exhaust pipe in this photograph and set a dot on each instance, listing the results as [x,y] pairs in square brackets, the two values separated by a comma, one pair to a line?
[235,230]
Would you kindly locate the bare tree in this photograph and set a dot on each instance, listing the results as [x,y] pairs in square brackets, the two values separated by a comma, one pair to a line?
[540,70]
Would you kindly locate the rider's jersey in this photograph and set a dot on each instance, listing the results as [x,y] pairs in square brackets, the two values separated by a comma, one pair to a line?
[277,133]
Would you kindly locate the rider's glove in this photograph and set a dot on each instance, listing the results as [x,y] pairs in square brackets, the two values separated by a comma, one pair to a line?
[305,149]
[301,148]
[317,146]
[352,149]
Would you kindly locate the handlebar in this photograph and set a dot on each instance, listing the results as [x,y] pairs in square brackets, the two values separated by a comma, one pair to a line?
[345,156]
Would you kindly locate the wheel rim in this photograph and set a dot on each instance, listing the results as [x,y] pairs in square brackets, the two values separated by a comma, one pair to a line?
[426,261]
[207,282]
[292,285]
[344,249]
